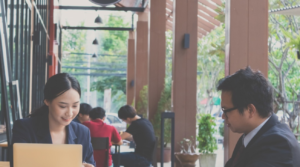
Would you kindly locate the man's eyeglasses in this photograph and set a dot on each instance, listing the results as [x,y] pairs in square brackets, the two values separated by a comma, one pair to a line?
[228,110]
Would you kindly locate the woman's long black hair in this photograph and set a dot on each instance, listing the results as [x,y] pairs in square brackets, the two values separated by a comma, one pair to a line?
[56,86]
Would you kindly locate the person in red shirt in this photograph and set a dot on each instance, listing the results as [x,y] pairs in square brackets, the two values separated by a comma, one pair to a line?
[100,129]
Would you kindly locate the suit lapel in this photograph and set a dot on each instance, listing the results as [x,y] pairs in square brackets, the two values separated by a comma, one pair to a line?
[43,131]
[269,124]
[247,152]
[234,154]
[71,134]
[236,150]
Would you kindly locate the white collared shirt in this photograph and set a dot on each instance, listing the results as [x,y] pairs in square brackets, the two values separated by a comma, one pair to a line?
[250,135]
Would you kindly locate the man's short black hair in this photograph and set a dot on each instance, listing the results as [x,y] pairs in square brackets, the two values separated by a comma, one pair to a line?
[97,112]
[126,111]
[248,87]
[85,109]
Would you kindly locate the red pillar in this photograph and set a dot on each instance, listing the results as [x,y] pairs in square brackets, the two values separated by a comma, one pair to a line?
[141,55]
[247,36]
[51,30]
[157,54]
[184,69]
[130,68]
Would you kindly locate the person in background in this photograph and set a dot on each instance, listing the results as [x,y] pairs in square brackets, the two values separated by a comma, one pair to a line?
[100,129]
[83,113]
[142,132]
[52,123]
[247,104]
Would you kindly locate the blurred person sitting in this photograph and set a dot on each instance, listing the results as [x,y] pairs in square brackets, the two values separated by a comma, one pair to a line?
[142,132]
[99,128]
[83,115]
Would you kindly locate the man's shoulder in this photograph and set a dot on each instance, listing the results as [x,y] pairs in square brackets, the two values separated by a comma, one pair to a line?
[279,135]
[141,121]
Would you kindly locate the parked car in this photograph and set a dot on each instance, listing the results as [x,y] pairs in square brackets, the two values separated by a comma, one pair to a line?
[114,120]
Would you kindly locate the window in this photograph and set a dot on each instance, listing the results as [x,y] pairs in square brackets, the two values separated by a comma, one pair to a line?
[113,119]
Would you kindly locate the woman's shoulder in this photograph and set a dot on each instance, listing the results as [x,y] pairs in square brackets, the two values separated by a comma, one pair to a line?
[79,128]
[26,122]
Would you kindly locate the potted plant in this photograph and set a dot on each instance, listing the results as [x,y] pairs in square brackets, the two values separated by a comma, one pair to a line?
[164,104]
[206,141]
[187,155]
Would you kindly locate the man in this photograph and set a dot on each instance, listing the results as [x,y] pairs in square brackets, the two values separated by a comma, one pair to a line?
[247,105]
[83,115]
[141,131]
[100,129]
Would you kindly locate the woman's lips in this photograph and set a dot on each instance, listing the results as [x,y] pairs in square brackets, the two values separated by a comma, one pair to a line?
[67,119]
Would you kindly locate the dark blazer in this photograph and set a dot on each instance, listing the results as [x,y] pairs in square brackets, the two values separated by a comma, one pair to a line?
[273,146]
[36,130]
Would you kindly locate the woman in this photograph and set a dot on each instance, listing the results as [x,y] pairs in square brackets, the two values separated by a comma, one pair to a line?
[52,123]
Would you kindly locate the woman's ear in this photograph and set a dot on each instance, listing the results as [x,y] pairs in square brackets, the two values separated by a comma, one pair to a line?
[46,102]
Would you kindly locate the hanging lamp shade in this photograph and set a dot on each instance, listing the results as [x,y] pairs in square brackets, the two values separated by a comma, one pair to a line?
[105,2]
[94,55]
[98,20]
[95,42]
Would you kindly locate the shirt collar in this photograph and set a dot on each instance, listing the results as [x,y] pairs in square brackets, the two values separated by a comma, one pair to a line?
[249,136]
[97,120]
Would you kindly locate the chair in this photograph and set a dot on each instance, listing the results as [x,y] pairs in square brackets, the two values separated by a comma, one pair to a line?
[154,156]
[101,143]
[117,153]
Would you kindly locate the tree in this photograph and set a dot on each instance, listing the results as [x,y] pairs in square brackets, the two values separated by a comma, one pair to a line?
[284,69]
[211,53]
[111,60]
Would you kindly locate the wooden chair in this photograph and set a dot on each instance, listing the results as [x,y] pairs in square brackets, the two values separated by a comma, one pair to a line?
[101,143]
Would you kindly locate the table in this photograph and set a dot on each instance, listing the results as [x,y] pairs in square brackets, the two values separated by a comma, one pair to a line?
[4,164]
[4,146]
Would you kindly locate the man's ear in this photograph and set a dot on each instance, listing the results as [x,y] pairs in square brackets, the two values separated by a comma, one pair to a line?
[80,115]
[252,110]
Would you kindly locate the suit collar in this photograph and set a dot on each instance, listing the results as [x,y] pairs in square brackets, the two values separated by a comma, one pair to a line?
[43,131]
[273,120]
[71,134]
[250,135]
[268,125]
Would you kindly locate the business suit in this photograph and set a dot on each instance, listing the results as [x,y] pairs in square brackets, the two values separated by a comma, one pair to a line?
[273,146]
[36,130]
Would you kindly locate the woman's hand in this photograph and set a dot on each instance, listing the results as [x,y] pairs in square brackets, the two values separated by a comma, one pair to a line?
[87,165]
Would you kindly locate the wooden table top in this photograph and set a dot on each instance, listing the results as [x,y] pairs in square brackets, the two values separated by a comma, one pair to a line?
[4,144]
[4,164]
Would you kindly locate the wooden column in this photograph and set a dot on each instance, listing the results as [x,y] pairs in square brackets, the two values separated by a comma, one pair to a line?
[157,53]
[130,68]
[184,69]
[247,45]
[141,54]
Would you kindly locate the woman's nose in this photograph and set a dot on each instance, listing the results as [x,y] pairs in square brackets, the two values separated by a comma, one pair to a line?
[69,113]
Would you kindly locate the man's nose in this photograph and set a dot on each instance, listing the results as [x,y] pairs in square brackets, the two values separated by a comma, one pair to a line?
[223,116]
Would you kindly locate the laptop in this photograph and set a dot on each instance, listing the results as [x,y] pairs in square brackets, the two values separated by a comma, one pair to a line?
[47,155]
